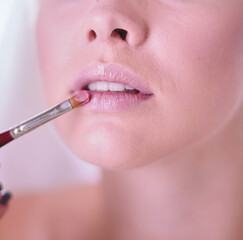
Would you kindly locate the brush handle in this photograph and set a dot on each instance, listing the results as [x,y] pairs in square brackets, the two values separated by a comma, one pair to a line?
[41,119]
[5,138]
[44,117]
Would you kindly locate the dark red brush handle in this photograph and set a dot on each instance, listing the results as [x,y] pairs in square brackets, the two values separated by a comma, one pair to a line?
[5,138]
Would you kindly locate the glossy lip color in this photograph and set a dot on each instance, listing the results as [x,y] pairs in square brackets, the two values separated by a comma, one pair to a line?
[111,101]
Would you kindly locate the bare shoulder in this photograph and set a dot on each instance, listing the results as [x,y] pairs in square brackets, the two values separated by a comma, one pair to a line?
[72,213]
[22,214]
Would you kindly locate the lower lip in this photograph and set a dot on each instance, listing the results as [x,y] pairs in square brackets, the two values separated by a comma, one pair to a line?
[115,102]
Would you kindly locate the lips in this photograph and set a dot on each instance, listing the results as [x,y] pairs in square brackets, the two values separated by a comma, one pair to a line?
[103,100]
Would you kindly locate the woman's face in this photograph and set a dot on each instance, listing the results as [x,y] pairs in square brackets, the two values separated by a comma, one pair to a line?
[185,57]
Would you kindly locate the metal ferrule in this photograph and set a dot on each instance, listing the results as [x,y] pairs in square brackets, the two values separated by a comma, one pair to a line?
[41,119]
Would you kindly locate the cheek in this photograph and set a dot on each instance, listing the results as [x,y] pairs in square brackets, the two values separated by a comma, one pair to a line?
[203,56]
[200,63]
[55,46]
[45,56]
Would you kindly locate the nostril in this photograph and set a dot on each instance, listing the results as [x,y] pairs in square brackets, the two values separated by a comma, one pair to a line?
[120,33]
[92,35]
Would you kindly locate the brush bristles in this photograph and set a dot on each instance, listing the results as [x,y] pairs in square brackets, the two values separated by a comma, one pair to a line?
[78,101]
[74,103]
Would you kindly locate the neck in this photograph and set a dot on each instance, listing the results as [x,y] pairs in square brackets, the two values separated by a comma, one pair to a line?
[194,194]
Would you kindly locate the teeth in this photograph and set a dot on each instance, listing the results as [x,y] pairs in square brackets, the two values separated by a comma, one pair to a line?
[107,86]
[129,88]
[99,86]
[92,86]
[116,87]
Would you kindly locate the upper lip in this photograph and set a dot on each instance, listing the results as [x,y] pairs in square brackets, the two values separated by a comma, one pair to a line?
[111,73]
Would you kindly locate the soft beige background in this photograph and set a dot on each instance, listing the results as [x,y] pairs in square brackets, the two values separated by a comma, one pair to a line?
[40,159]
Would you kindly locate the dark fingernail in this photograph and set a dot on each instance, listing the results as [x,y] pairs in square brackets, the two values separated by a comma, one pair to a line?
[5,198]
[1,186]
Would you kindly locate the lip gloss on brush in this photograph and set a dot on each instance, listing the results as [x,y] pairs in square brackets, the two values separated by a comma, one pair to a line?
[44,117]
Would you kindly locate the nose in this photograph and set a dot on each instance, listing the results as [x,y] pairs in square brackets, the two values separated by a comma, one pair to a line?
[107,24]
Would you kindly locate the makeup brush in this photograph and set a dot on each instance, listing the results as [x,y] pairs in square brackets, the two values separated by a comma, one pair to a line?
[44,117]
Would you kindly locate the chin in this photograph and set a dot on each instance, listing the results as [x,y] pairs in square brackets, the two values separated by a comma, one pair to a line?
[109,160]
[108,147]
[107,152]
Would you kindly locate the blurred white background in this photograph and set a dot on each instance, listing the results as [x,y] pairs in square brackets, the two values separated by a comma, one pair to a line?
[39,160]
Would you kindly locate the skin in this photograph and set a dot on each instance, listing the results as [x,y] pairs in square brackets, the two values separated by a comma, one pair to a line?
[192,66]
[178,169]
[2,207]
[2,211]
